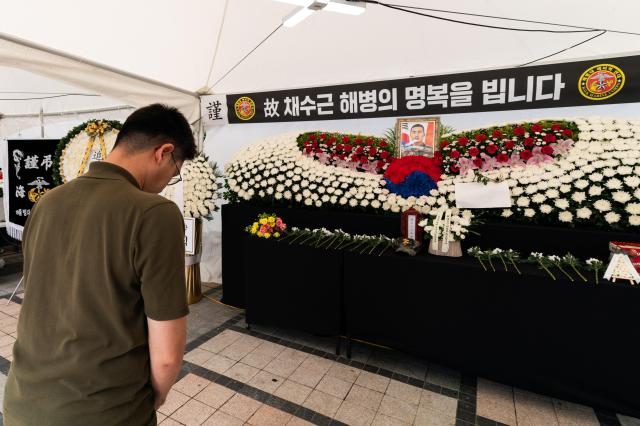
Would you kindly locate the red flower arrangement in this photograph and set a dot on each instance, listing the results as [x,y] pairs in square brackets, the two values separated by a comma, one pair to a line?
[363,153]
[524,143]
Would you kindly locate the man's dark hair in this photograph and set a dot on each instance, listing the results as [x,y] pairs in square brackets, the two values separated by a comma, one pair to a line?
[146,126]
[417,125]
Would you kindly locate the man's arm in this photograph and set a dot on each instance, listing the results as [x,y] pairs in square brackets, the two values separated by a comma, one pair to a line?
[166,348]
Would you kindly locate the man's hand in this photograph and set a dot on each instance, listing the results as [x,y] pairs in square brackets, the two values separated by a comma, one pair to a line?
[166,349]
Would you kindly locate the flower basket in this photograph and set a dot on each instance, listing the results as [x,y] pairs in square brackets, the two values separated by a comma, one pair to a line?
[454,250]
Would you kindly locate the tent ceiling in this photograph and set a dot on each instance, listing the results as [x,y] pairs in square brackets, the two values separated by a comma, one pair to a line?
[173,42]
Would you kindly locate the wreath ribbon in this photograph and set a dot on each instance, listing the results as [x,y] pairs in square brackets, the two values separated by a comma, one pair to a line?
[94,130]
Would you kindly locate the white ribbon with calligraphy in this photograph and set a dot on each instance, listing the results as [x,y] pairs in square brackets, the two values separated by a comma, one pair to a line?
[214,111]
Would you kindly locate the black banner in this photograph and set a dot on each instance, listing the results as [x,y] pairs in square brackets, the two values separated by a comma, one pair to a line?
[29,174]
[594,82]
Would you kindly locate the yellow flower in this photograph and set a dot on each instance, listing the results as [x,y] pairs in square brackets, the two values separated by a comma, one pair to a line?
[259,234]
[267,235]
[254,230]
[276,235]
[255,224]
[263,221]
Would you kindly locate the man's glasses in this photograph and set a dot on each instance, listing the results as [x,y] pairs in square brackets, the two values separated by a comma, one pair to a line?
[177,177]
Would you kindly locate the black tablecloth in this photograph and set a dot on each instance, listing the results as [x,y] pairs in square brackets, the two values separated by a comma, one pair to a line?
[572,340]
[293,286]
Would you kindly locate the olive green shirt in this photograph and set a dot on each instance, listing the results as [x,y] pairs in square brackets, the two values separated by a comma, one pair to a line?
[100,255]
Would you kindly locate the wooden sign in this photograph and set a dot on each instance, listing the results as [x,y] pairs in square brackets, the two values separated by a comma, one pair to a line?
[409,221]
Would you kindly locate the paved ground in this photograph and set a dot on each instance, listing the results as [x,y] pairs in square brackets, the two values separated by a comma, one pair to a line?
[270,376]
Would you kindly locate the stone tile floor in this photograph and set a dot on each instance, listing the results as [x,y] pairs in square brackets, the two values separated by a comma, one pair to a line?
[270,376]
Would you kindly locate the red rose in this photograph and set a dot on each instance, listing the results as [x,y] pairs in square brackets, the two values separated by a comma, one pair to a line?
[358,141]
[567,132]
[455,154]
[556,127]
[549,138]
[308,150]
[383,144]
[492,148]
[478,162]
[380,164]
[339,147]
[384,155]
[372,151]
[354,158]
[463,141]
[323,137]
[536,128]
[496,134]
[529,142]
[473,151]
[509,145]
[481,137]
[526,154]
[444,144]
[364,159]
[315,144]
[547,150]
[348,148]
[454,168]
[345,139]
[342,157]
[369,142]
[329,143]
[518,131]
[359,150]
[502,158]
[312,137]
[318,150]
[332,139]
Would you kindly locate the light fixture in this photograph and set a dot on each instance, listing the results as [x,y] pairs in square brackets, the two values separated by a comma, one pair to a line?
[310,6]
[343,6]
[297,16]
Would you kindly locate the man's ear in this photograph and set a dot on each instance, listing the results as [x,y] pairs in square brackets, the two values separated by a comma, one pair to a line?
[162,150]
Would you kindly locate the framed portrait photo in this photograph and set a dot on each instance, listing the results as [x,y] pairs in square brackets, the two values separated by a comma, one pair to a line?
[417,136]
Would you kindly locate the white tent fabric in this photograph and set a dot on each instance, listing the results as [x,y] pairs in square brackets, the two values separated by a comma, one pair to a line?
[101,79]
[174,42]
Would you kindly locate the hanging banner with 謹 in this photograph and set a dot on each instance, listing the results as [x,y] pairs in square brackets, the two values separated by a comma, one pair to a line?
[28,175]
[580,83]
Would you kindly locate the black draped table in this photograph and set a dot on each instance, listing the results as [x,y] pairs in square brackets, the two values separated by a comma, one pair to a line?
[571,340]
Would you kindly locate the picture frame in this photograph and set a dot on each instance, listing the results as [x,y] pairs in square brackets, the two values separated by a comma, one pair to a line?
[417,136]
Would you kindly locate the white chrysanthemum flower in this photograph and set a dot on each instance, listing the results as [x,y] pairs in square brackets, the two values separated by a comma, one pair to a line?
[523,202]
[565,188]
[517,191]
[506,213]
[583,213]
[581,184]
[602,205]
[552,193]
[561,203]
[612,217]
[565,216]
[596,177]
[529,212]
[633,208]
[546,208]
[578,197]
[595,191]
[613,184]
[632,181]
[634,220]
[621,196]
[538,198]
